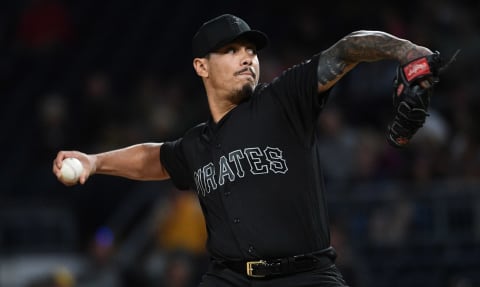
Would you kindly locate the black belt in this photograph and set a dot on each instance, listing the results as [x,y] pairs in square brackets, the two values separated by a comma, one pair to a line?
[282,266]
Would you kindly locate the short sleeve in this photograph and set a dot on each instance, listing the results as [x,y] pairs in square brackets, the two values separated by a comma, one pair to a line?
[297,92]
[173,159]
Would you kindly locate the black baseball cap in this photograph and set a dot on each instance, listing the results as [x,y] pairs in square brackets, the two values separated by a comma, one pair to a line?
[222,30]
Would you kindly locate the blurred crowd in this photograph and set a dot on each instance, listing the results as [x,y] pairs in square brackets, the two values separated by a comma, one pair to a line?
[99,75]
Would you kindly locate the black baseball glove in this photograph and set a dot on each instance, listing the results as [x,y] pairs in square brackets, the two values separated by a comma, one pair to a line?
[410,99]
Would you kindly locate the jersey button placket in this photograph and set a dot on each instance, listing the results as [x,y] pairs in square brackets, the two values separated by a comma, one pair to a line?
[226,192]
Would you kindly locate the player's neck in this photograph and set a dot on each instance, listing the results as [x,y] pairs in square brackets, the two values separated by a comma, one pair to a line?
[219,109]
[217,115]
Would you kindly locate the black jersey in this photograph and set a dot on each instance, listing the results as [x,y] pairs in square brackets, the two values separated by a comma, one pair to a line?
[257,171]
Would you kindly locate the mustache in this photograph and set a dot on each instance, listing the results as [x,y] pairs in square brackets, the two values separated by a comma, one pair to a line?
[247,69]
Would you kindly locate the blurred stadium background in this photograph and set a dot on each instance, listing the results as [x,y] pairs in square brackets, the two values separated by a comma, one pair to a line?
[97,75]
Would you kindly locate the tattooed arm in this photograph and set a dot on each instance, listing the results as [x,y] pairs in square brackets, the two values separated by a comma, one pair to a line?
[363,46]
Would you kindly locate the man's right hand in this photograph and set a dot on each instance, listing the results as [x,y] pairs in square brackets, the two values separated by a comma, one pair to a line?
[88,162]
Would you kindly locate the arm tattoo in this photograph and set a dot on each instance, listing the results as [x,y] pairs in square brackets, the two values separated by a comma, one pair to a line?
[364,46]
[329,68]
[369,46]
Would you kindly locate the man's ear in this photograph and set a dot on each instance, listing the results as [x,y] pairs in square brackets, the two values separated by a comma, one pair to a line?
[201,67]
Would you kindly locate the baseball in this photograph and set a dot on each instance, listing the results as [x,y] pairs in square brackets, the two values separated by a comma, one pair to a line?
[71,170]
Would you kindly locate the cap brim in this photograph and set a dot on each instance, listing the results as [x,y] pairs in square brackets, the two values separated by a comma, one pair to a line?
[258,38]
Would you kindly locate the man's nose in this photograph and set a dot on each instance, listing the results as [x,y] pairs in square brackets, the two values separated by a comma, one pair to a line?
[246,58]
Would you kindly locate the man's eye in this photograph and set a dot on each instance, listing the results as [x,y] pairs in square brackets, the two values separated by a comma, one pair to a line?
[231,50]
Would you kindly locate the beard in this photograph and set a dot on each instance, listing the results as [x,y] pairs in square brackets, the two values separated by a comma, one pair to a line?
[241,95]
